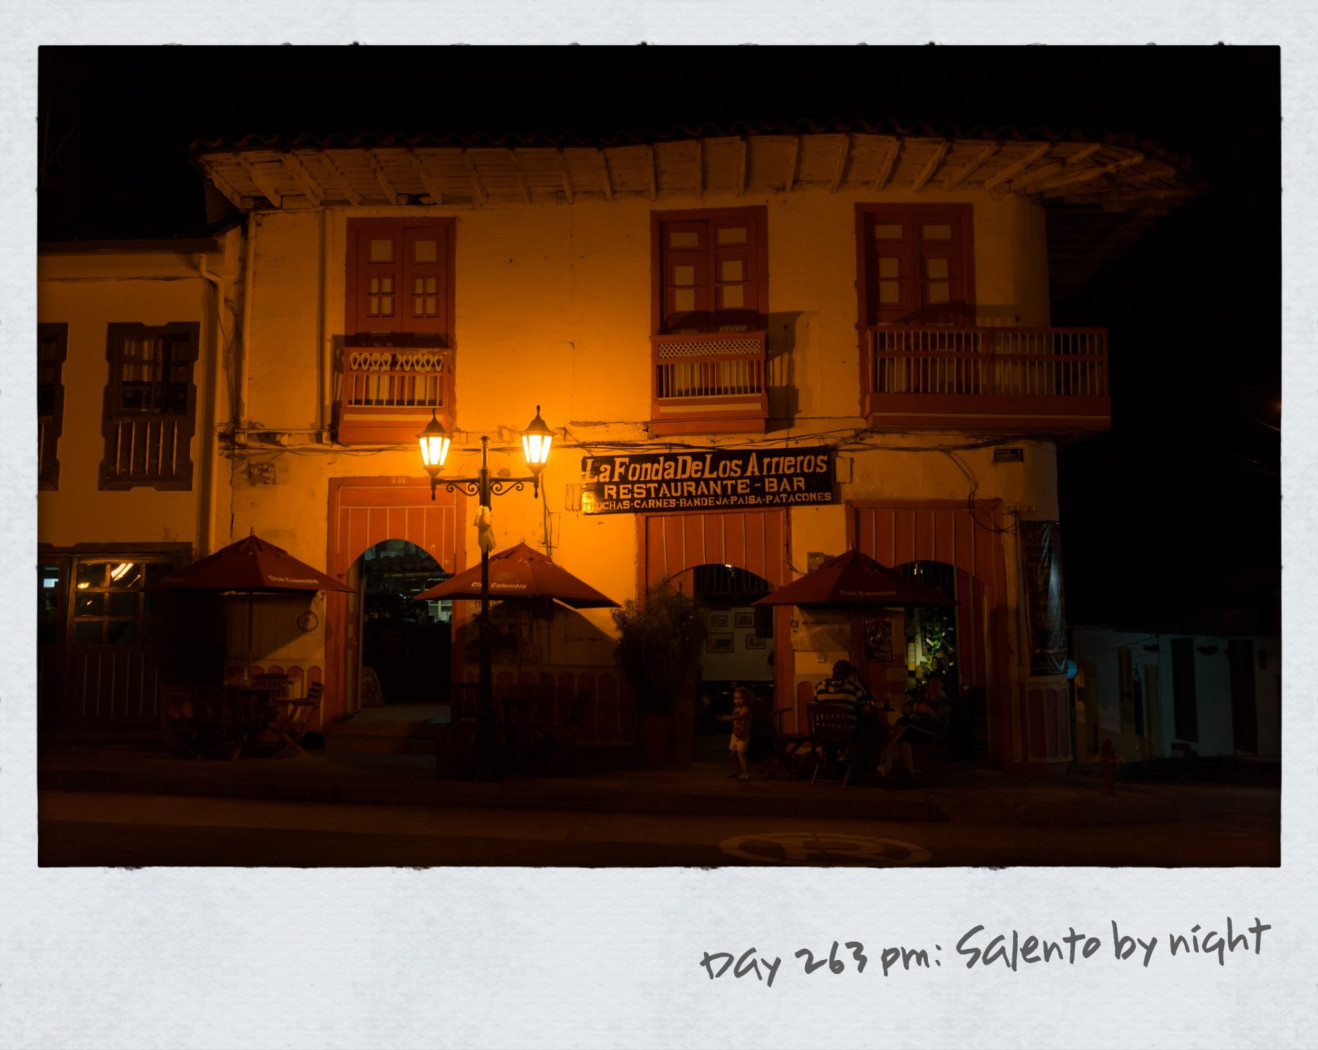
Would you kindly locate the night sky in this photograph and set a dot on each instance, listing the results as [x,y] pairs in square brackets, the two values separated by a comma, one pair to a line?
[1172,515]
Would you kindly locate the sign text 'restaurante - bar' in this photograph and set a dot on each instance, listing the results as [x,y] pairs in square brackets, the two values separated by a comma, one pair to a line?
[628,484]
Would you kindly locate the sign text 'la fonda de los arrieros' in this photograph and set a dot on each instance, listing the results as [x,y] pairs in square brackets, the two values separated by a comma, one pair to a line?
[707,480]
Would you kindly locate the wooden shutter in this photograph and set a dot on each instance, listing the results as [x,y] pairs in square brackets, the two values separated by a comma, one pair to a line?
[711,270]
[400,278]
[918,264]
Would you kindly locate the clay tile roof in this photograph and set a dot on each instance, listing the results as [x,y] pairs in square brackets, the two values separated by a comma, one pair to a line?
[1101,189]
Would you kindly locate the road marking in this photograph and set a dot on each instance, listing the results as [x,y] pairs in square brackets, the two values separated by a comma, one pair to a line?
[795,847]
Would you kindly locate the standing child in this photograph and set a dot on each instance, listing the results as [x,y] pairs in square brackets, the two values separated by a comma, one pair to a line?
[741,729]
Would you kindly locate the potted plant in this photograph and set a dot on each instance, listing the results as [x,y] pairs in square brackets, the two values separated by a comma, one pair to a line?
[660,642]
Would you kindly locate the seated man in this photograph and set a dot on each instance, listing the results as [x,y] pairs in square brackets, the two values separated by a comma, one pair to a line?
[846,688]
[926,718]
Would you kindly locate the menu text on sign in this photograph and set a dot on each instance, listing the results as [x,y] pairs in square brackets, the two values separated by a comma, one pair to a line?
[629,484]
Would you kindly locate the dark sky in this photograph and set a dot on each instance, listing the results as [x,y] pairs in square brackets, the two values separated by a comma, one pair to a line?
[1163,516]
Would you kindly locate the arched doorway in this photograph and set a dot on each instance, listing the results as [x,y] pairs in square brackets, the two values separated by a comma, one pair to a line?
[365,512]
[405,650]
[738,648]
[958,548]
[934,647]
[753,542]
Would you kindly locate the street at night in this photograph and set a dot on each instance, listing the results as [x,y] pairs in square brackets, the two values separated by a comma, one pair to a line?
[110,830]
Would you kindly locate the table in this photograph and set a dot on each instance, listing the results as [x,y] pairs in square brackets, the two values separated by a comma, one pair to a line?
[250,706]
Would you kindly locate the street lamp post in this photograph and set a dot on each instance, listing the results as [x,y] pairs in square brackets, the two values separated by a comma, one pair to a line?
[537,440]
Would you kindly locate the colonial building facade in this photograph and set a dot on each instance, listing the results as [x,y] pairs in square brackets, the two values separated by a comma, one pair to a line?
[756,348]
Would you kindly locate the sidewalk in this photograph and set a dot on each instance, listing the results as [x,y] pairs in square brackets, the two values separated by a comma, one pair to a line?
[959,792]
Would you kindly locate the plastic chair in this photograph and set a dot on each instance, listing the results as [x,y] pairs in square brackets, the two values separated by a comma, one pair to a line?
[792,753]
[552,743]
[455,740]
[177,719]
[218,732]
[831,736]
[290,718]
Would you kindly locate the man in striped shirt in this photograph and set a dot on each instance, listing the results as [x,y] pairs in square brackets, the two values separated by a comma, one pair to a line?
[846,688]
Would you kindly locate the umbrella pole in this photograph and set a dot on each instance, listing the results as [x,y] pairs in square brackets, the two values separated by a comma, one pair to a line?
[249,639]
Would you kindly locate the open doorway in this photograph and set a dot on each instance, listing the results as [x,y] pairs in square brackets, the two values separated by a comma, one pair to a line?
[933,647]
[405,644]
[738,648]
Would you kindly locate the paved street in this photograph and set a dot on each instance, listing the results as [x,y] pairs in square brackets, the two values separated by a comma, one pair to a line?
[103,829]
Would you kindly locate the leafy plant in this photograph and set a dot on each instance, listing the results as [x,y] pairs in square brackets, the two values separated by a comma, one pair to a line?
[660,642]
[937,630]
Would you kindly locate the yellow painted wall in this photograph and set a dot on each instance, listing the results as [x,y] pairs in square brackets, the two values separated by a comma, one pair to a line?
[553,307]
[88,291]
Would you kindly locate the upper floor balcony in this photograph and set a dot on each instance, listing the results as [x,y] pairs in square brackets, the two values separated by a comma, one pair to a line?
[1003,379]
[708,382]
[386,393]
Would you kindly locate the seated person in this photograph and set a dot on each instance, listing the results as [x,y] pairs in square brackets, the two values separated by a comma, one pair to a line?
[925,719]
[845,687]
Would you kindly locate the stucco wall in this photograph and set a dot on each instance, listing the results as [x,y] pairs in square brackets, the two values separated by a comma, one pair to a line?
[1151,655]
[552,308]
[553,303]
[88,292]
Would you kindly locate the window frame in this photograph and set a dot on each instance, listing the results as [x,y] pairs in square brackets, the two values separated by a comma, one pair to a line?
[962,249]
[377,396]
[753,318]
[50,423]
[357,326]
[114,414]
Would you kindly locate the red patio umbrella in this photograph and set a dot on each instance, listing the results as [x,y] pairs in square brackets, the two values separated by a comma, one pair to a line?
[250,566]
[520,572]
[854,578]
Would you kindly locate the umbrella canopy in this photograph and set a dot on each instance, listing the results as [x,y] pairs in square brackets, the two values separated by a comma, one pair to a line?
[520,572]
[855,579]
[252,566]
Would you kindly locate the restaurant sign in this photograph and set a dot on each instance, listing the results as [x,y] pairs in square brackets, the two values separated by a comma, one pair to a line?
[779,477]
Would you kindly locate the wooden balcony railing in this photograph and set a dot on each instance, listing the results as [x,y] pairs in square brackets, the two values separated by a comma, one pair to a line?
[708,382]
[1014,378]
[147,450]
[387,394]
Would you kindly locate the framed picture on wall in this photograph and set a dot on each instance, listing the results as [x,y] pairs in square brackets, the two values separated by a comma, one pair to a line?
[756,641]
[718,620]
[746,619]
[878,641]
[719,643]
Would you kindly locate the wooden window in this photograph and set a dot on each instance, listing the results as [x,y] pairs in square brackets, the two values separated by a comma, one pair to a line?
[400,280]
[52,344]
[150,405]
[110,606]
[711,270]
[916,262]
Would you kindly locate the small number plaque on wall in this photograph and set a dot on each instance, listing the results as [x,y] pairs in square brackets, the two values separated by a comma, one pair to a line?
[1009,455]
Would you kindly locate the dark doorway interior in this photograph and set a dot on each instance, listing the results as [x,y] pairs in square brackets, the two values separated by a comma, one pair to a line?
[405,643]
[738,651]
